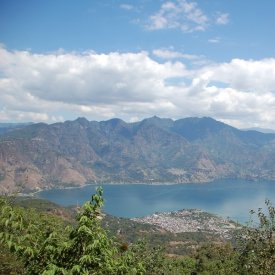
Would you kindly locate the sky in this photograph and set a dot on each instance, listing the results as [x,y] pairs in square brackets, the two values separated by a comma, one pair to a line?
[100,59]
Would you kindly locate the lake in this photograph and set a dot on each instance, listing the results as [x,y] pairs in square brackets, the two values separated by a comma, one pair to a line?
[227,198]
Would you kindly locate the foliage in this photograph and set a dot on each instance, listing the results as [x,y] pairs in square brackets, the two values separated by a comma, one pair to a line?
[256,244]
[218,259]
[89,249]
[30,235]
[180,244]
[183,266]
[254,252]
[8,262]
[45,246]
[34,242]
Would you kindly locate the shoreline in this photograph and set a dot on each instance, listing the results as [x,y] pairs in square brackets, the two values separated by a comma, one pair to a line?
[34,193]
[166,199]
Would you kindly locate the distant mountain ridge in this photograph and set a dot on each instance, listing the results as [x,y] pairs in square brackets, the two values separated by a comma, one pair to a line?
[73,153]
[6,127]
[262,130]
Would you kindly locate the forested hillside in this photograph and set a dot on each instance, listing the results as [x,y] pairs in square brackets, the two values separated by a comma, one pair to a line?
[37,242]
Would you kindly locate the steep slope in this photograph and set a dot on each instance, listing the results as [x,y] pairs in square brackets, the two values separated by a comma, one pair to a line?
[250,154]
[7,127]
[73,153]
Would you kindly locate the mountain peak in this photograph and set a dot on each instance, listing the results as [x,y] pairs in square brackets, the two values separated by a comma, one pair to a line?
[79,152]
[194,128]
[114,122]
[157,121]
[82,120]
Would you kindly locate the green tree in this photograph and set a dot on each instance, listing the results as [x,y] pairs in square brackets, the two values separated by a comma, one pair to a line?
[256,244]
[45,246]
[34,242]
[216,259]
[9,264]
[30,235]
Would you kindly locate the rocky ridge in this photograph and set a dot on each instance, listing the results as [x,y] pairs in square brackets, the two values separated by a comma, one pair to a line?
[154,150]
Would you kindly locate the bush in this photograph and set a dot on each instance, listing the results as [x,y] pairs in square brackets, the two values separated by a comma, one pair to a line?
[216,259]
[41,243]
[46,246]
[256,244]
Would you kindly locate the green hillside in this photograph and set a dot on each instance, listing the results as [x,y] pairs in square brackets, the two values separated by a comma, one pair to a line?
[49,239]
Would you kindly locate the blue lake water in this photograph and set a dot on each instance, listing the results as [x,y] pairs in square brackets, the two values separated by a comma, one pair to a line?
[227,198]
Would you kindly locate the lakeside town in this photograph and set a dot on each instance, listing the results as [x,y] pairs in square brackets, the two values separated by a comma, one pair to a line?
[191,220]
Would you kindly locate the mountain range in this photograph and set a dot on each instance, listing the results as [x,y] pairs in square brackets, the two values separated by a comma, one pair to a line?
[154,150]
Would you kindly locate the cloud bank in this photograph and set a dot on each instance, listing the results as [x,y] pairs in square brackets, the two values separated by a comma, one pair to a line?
[58,86]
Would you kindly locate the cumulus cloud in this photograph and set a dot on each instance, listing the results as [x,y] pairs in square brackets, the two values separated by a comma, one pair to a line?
[246,96]
[251,76]
[53,87]
[90,81]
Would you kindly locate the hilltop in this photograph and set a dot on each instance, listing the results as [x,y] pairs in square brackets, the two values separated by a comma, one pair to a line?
[73,153]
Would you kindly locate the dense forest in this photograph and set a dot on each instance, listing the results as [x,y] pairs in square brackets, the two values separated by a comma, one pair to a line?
[34,241]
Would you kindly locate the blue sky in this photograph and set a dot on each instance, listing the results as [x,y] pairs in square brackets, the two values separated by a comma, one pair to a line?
[60,59]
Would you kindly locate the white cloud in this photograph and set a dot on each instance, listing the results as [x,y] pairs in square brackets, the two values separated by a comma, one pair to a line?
[214,40]
[222,19]
[247,96]
[171,54]
[247,75]
[51,87]
[85,83]
[185,15]
[181,14]
[127,7]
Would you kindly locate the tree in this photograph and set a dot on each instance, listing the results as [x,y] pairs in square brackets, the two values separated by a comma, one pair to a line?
[46,246]
[216,259]
[256,244]
[31,236]
[43,244]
